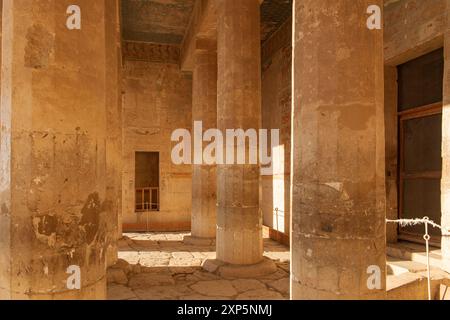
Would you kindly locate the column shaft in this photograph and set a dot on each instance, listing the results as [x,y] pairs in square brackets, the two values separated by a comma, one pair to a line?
[338,200]
[113,99]
[53,137]
[204,109]
[239,219]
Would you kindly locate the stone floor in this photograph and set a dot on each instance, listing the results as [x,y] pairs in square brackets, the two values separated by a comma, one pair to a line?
[159,266]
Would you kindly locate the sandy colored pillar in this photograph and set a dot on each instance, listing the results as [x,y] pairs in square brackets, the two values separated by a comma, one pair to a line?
[445,187]
[53,137]
[239,219]
[113,99]
[338,201]
[204,114]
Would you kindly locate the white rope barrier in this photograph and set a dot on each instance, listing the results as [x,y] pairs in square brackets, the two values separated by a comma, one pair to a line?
[427,222]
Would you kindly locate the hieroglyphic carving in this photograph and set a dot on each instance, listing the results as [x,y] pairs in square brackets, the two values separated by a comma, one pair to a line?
[151,52]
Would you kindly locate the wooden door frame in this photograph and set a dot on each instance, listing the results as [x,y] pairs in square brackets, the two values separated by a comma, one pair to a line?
[414,113]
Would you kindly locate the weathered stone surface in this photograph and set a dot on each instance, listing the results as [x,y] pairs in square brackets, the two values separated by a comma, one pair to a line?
[54,149]
[243,285]
[117,276]
[185,262]
[191,282]
[276,114]
[200,297]
[167,292]
[338,197]
[413,28]
[147,280]
[212,265]
[261,294]
[204,176]
[239,219]
[119,292]
[215,288]
[265,268]
[195,241]
[157,100]
[281,285]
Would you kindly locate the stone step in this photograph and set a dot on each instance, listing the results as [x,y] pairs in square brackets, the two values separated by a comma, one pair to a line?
[396,266]
[414,252]
[407,286]
[407,280]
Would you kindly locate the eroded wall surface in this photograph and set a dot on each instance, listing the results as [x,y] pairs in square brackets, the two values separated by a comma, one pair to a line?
[276,110]
[157,100]
[412,28]
[53,157]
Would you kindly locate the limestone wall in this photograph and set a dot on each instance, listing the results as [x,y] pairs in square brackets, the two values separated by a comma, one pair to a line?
[157,99]
[276,109]
[412,28]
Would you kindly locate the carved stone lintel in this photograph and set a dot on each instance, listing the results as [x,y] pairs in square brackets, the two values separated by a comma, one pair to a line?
[151,52]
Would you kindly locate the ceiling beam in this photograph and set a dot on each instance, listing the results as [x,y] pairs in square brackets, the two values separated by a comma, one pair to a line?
[202,25]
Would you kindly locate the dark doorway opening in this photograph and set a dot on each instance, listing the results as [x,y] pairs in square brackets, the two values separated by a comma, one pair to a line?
[147,181]
[420,83]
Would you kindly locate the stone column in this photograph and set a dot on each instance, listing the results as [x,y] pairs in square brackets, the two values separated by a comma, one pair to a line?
[338,200]
[113,98]
[204,110]
[445,188]
[53,137]
[239,218]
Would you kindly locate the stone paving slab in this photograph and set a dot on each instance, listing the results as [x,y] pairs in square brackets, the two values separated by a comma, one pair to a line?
[159,266]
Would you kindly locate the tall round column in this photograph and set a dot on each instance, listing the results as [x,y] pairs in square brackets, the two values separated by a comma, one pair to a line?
[204,111]
[338,199]
[239,218]
[53,157]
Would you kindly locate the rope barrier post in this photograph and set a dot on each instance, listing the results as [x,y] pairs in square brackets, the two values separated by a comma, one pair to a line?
[426,237]
[427,241]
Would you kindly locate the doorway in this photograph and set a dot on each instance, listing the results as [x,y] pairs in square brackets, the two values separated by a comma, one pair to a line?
[420,83]
[147,181]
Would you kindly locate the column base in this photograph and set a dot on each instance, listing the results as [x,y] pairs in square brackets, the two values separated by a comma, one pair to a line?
[93,291]
[112,255]
[226,270]
[304,292]
[195,241]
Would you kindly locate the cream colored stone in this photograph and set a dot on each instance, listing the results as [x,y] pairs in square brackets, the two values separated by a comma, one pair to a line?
[147,280]
[262,294]
[215,288]
[281,285]
[119,292]
[338,104]
[117,276]
[55,149]
[204,110]
[243,285]
[167,292]
[239,219]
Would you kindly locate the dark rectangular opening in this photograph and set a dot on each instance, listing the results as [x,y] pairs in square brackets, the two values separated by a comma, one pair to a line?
[420,83]
[147,181]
